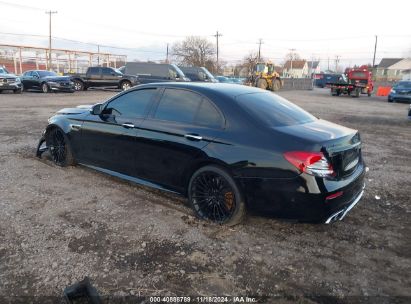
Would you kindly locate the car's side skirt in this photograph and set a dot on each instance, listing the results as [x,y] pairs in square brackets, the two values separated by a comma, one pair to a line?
[130,178]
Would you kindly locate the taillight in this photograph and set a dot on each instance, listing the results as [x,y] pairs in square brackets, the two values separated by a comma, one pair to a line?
[313,163]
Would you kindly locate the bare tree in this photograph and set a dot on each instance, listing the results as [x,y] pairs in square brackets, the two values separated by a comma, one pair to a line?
[248,63]
[195,51]
[292,56]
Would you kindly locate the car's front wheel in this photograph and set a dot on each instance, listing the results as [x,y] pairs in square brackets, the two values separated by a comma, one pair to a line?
[59,147]
[125,85]
[45,88]
[214,196]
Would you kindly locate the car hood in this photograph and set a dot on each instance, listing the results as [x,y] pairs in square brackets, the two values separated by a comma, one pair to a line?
[57,78]
[321,132]
[398,88]
[8,76]
[77,110]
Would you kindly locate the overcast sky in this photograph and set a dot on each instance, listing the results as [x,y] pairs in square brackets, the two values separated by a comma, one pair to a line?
[321,29]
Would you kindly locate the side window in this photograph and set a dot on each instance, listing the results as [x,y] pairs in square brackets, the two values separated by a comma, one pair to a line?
[208,116]
[27,74]
[94,71]
[107,72]
[178,105]
[132,104]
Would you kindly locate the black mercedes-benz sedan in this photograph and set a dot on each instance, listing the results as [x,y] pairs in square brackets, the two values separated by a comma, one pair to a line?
[46,81]
[228,148]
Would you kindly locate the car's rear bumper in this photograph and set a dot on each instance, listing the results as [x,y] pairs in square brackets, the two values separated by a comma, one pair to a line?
[305,197]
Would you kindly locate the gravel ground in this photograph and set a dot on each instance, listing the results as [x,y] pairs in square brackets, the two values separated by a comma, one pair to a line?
[58,225]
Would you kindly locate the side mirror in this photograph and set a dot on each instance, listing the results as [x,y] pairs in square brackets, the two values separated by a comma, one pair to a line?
[97,109]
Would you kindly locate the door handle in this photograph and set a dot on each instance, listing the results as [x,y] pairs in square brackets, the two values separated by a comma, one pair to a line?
[128,125]
[193,137]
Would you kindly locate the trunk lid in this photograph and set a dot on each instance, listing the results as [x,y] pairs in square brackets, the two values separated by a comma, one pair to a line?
[340,145]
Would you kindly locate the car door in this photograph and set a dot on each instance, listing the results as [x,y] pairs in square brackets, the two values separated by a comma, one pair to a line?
[108,139]
[109,77]
[94,76]
[173,135]
[27,80]
[35,80]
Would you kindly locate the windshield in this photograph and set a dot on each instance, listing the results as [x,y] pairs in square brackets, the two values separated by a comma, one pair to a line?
[179,72]
[46,73]
[118,71]
[273,110]
[360,75]
[260,67]
[3,71]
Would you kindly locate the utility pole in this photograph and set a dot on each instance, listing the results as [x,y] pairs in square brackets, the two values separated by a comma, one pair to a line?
[167,54]
[50,13]
[375,51]
[217,35]
[337,60]
[260,42]
[98,55]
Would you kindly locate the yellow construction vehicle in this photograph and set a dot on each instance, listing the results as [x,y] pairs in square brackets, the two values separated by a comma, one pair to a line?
[265,77]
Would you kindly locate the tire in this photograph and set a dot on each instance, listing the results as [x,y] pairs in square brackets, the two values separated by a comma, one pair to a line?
[45,88]
[18,91]
[214,196]
[78,85]
[389,100]
[262,84]
[22,87]
[369,94]
[125,85]
[59,147]
[276,85]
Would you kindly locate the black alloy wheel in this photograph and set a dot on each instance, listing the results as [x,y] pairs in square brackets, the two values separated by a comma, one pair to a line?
[215,196]
[59,147]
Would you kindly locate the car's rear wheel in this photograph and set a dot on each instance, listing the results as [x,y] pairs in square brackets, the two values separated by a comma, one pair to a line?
[45,88]
[214,196]
[59,147]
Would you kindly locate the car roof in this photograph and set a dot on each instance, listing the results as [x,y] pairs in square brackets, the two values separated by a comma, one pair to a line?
[227,89]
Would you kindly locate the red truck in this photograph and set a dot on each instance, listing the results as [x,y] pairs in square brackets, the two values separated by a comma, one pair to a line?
[354,82]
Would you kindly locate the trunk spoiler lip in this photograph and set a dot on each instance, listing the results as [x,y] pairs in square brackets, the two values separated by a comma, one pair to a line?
[341,144]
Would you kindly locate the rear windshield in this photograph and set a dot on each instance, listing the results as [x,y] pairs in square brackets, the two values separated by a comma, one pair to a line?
[274,110]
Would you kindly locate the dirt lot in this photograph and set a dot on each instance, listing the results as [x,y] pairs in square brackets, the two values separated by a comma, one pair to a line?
[58,225]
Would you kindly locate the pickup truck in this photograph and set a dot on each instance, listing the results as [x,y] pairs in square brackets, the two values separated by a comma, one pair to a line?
[103,77]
